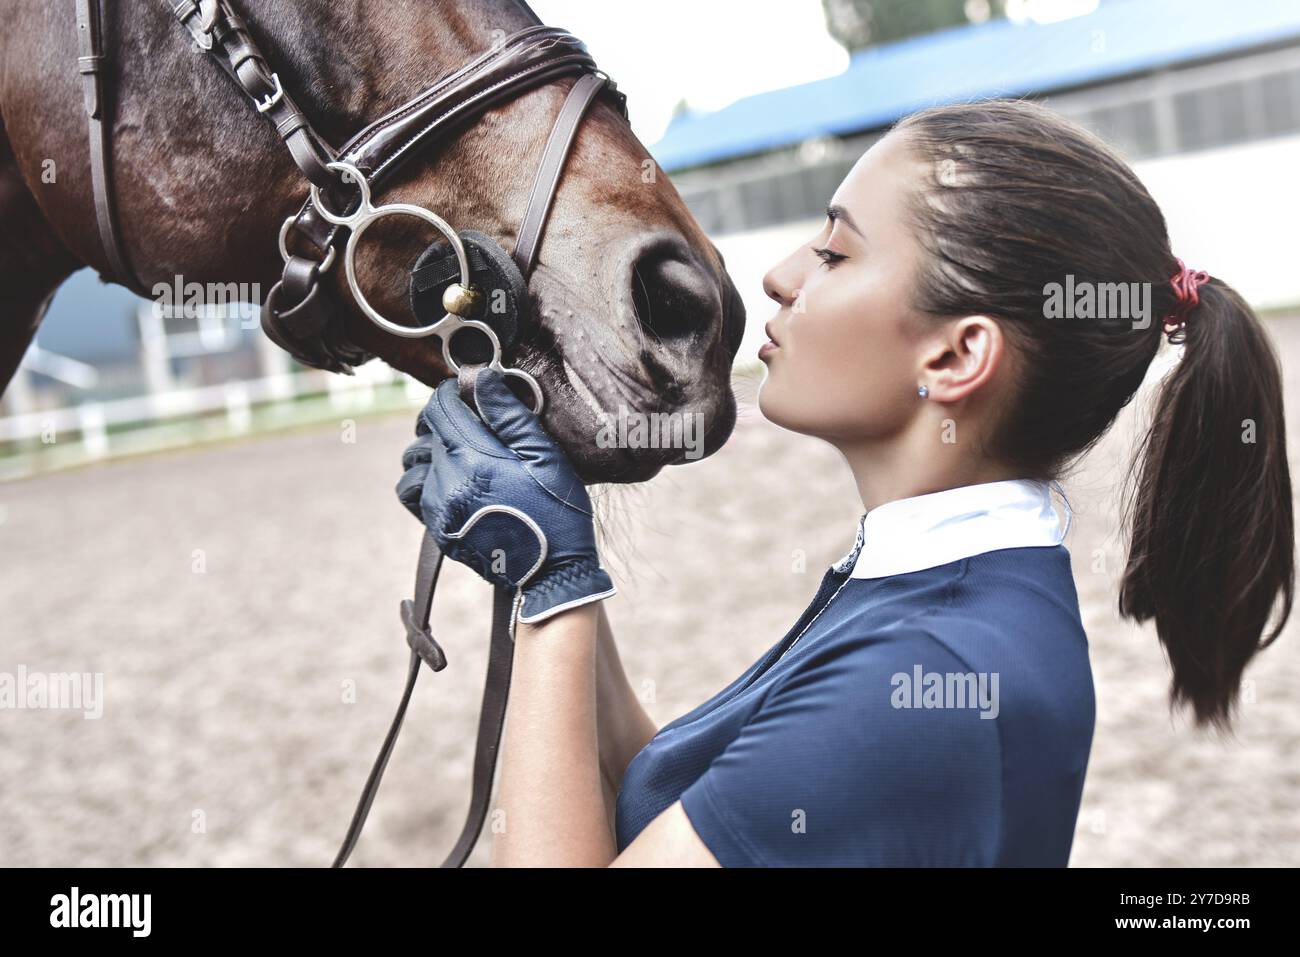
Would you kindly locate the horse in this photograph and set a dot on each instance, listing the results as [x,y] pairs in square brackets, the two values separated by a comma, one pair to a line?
[633,307]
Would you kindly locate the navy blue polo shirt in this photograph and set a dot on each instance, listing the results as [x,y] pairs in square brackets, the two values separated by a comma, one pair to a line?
[941,716]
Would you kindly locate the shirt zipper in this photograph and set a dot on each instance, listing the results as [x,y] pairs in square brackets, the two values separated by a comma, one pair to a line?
[814,618]
[773,659]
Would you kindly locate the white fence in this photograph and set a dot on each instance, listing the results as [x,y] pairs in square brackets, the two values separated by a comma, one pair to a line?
[73,435]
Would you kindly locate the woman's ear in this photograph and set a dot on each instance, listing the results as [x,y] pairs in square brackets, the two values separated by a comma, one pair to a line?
[963,357]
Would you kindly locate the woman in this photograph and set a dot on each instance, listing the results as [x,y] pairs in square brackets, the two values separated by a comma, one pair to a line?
[934,703]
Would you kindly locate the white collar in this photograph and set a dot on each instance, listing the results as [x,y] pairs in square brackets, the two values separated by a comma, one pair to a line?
[925,531]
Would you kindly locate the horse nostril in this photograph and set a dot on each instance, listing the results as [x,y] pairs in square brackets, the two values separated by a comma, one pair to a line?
[673,298]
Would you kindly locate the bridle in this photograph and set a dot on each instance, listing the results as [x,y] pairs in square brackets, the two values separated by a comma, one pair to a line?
[298,315]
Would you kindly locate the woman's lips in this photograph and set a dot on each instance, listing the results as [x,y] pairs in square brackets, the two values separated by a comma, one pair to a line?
[771,345]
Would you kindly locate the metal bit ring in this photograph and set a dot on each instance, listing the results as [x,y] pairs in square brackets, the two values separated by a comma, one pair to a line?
[446,327]
[361,220]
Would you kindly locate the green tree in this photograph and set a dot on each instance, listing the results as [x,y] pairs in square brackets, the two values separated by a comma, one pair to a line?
[862,23]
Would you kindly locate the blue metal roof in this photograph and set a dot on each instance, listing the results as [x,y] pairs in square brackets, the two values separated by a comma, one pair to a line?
[998,58]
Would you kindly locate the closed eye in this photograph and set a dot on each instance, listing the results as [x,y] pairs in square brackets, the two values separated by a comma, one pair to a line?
[828,256]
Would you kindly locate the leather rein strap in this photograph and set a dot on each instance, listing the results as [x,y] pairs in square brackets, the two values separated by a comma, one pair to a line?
[91,64]
[496,692]
[296,314]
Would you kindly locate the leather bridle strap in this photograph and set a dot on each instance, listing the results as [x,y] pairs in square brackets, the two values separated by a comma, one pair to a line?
[224,34]
[294,316]
[496,691]
[551,166]
[91,63]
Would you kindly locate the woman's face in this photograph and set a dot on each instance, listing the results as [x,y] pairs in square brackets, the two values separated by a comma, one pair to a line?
[846,354]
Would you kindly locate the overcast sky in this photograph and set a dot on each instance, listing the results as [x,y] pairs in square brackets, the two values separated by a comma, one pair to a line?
[713,52]
[708,52]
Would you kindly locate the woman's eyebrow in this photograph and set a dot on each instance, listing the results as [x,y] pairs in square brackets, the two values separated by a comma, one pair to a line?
[836,212]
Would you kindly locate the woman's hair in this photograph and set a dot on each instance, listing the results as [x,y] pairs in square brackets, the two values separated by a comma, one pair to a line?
[1017,198]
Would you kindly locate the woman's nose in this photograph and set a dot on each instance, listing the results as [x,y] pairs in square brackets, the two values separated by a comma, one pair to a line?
[783,281]
[769,287]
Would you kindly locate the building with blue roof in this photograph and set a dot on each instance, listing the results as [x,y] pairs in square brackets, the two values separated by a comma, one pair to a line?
[1154,77]
[1121,38]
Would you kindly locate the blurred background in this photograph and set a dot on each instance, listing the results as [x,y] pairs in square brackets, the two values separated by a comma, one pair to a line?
[212,527]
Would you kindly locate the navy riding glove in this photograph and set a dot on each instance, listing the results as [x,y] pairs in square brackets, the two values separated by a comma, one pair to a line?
[500,496]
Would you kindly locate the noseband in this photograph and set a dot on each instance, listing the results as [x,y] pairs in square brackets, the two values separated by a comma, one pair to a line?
[299,316]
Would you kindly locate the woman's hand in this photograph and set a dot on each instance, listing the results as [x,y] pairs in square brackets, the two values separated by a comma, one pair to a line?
[499,495]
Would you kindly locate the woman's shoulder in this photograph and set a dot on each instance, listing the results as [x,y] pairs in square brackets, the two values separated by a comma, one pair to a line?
[1005,593]
[1025,577]
[998,597]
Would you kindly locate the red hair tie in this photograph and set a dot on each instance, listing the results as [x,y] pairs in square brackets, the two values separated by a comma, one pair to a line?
[1185,283]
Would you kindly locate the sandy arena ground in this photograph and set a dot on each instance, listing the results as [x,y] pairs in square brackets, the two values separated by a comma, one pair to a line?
[233,595]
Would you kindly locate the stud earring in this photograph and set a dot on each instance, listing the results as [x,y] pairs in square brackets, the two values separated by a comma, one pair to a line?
[922,391]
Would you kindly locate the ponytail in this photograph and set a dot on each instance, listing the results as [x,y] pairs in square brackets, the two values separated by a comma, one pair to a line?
[1010,198]
[1213,538]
